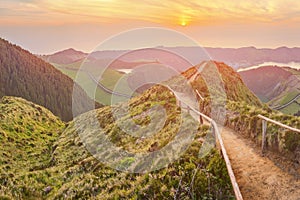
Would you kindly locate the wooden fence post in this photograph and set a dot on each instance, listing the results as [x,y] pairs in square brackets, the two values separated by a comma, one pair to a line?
[201,119]
[264,133]
[188,109]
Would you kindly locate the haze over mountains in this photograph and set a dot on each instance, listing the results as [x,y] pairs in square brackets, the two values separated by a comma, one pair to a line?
[65,56]
[119,100]
[235,57]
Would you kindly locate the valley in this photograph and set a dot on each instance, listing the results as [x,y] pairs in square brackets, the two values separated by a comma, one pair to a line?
[277,86]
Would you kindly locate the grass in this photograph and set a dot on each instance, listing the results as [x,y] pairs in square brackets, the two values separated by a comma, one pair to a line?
[109,79]
[291,109]
[290,92]
[243,118]
[55,162]
[63,168]
[27,133]
[263,98]
[288,97]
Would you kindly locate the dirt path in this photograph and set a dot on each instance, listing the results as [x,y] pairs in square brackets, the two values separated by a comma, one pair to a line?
[258,177]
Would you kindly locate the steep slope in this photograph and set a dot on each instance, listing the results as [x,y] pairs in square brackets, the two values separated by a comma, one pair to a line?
[264,80]
[278,86]
[27,133]
[231,82]
[285,96]
[25,75]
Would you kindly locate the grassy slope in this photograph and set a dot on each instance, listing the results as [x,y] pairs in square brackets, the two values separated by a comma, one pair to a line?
[291,90]
[231,83]
[27,133]
[274,85]
[65,169]
[109,79]
[243,118]
[161,184]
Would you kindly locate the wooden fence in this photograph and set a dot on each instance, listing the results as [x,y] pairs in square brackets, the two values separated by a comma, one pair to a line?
[219,140]
[264,129]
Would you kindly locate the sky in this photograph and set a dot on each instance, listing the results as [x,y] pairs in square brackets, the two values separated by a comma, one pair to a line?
[47,26]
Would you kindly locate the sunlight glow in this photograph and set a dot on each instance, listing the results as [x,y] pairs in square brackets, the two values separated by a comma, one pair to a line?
[112,11]
[183,23]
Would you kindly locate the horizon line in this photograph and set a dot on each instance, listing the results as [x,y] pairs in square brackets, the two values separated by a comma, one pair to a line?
[205,47]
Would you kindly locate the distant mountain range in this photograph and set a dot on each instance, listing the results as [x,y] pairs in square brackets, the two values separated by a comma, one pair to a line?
[235,57]
[27,76]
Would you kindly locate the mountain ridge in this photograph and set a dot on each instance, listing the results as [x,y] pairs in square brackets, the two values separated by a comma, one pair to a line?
[236,57]
[27,76]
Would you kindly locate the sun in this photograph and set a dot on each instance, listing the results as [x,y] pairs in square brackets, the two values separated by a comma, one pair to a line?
[183,23]
[184,20]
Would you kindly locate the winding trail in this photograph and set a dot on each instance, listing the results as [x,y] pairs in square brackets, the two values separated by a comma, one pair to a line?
[101,86]
[258,177]
[98,83]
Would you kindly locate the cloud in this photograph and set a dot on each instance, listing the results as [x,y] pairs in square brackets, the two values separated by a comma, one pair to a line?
[167,12]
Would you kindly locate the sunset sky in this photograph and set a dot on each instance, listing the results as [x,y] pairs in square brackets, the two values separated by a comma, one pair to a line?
[46,26]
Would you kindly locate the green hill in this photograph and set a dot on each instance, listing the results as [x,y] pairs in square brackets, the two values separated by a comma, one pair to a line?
[54,163]
[27,134]
[25,75]
[109,78]
[216,82]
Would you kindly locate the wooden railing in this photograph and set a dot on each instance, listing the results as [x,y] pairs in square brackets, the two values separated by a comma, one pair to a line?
[264,130]
[219,140]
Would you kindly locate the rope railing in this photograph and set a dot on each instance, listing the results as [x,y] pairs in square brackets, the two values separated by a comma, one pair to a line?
[219,140]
